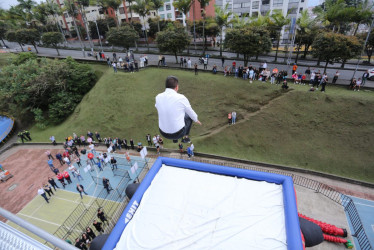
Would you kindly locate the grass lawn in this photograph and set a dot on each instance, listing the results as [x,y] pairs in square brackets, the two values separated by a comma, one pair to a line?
[331,132]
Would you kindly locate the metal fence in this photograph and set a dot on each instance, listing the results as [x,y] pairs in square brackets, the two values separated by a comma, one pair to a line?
[344,200]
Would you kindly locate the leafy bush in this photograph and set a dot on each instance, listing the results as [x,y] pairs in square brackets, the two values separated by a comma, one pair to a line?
[43,90]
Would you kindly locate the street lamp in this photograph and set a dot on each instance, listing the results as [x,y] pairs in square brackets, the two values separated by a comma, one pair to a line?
[363,49]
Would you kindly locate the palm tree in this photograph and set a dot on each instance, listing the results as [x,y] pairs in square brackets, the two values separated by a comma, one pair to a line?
[73,12]
[53,10]
[222,20]
[106,4]
[184,6]
[203,4]
[157,4]
[278,22]
[239,22]
[26,6]
[130,2]
[304,25]
[143,8]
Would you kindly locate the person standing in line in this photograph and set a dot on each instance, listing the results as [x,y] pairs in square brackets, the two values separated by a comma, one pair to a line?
[98,227]
[307,73]
[101,216]
[181,62]
[364,77]
[148,137]
[195,69]
[90,233]
[92,148]
[192,149]
[42,193]
[233,114]
[114,65]
[114,56]
[80,189]
[67,177]
[49,155]
[132,143]
[294,68]
[113,162]
[47,188]
[52,182]
[189,63]
[335,78]
[205,63]
[223,61]
[77,173]
[60,178]
[106,184]
[50,164]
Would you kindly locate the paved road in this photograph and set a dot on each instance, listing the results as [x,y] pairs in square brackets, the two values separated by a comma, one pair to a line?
[345,75]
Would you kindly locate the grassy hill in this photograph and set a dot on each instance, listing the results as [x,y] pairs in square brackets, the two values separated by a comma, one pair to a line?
[331,132]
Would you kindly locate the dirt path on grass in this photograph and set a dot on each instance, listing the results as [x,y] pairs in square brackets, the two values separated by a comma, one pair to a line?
[245,117]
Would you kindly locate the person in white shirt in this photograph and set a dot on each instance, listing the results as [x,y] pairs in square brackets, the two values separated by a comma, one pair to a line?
[42,193]
[189,63]
[92,148]
[175,114]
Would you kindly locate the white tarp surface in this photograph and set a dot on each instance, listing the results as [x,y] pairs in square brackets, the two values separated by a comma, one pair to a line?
[186,209]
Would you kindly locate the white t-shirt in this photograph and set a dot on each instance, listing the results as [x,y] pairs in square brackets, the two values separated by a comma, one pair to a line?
[41,191]
[92,147]
[358,83]
[171,108]
[265,65]
[66,159]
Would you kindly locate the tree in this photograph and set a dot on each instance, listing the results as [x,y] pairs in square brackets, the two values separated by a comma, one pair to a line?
[184,7]
[203,4]
[157,4]
[29,36]
[130,8]
[124,36]
[369,48]
[106,4]
[155,24]
[102,24]
[3,30]
[332,47]
[143,8]
[26,6]
[174,39]
[248,41]
[11,36]
[222,20]
[53,39]
[278,21]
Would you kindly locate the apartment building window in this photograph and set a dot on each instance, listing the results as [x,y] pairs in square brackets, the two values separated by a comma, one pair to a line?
[255,14]
[168,7]
[300,10]
[161,8]
[122,10]
[265,2]
[264,12]
[255,4]
[277,2]
[246,5]
[237,5]
[162,16]
[169,15]
[245,14]
[293,1]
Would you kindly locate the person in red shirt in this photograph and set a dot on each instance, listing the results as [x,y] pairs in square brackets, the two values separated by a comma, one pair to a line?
[66,154]
[67,177]
[233,66]
[60,178]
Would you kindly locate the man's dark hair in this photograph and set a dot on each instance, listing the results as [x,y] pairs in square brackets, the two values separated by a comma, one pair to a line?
[171,82]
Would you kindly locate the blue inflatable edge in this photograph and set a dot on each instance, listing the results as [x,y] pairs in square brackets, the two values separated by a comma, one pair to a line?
[293,234]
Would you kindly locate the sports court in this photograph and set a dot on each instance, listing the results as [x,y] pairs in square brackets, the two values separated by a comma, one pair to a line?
[67,214]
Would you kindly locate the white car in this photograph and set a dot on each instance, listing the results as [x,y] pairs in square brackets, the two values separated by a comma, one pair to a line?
[371,74]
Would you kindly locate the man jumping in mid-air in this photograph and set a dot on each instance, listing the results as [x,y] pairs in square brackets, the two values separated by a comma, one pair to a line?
[175,114]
